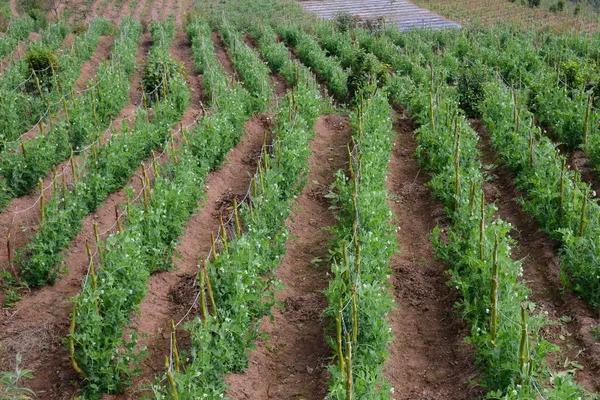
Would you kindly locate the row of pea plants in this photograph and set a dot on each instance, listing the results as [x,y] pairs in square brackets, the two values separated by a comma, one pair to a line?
[559,97]
[475,244]
[563,205]
[22,164]
[235,282]
[101,352]
[359,296]
[17,31]
[559,100]
[245,60]
[154,227]
[277,55]
[44,92]
[17,77]
[572,220]
[106,168]
[327,68]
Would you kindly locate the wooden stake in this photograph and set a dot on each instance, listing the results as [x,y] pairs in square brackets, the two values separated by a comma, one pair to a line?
[211,296]
[176,360]
[92,269]
[494,293]
[238,225]
[524,343]
[74,363]
[582,221]
[349,381]
[338,327]
[586,123]
[482,225]
[171,380]
[203,311]
[118,219]
[42,201]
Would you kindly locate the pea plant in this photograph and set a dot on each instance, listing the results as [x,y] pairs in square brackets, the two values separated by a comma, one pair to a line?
[22,164]
[12,85]
[18,30]
[237,276]
[310,53]
[476,245]
[253,71]
[106,169]
[358,296]
[277,55]
[562,204]
[116,281]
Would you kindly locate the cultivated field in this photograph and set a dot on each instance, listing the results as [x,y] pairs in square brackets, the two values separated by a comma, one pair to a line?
[211,199]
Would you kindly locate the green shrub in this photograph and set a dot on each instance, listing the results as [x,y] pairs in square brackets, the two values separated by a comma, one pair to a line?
[160,70]
[42,63]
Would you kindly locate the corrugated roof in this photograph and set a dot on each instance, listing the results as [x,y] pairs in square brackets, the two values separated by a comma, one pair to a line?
[403,13]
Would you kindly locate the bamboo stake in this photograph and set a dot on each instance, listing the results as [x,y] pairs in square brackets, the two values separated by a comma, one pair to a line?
[171,380]
[202,288]
[176,360]
[74,363]
[213,246]
[211,296]
[9,251]
[340,349]
[562,188]
[482,225]
[582,221]
[523,345]
[586,123]
[236,215]
[42,201]
[494,293]
[118,219]
[349,381]
[97,237]
[354,315]
[92,268]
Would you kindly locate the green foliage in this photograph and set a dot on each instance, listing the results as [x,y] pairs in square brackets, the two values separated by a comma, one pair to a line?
[11,383]
[161,70]
[219,343]
[42,64]
[22,170]
[555,195]
[252,70]
[364,241]
[308,51]
[18,30]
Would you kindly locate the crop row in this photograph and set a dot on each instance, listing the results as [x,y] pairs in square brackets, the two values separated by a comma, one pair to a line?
[358,296]
[22,164]
[45,81]
[107,167]
[235,277]
[17,78]
[148,241]
[476,245]
[18,30]
[100,351]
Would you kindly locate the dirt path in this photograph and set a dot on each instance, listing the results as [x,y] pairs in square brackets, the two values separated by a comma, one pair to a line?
[571,318]
[292,362]
[13,8]
[429,358]
[579,161]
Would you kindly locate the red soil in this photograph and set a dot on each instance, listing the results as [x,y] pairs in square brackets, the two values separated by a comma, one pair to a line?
[541,271]
[429,358]
[292,362]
